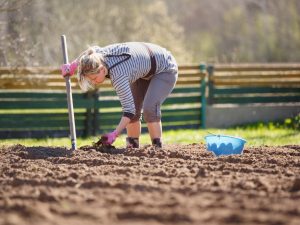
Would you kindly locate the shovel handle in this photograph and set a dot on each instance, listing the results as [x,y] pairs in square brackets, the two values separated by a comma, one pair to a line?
[69,94]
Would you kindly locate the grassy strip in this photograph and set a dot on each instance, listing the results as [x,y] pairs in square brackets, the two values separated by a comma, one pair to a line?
[255,136]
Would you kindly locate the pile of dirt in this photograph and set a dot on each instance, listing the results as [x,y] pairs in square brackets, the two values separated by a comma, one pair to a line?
[179,184]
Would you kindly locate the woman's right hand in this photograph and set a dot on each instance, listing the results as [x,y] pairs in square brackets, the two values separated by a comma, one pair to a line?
[110,137]
[69,69]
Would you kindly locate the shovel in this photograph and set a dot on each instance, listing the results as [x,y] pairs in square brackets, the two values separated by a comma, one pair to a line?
[69,95]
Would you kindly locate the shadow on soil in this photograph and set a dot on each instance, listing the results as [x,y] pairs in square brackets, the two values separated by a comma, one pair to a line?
[45,152]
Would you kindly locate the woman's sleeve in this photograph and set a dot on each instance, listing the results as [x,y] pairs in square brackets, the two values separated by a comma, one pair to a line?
[123,90]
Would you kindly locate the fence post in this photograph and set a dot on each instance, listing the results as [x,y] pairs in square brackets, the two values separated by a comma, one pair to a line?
[210,71]
[203,95]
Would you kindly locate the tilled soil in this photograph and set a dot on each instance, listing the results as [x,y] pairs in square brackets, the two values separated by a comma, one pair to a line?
[180,184]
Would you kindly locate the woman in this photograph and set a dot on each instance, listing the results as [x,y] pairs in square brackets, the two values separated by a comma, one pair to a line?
[143,75]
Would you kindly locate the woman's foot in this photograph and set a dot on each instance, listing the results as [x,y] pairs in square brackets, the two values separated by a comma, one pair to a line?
[132,142]
[156,142]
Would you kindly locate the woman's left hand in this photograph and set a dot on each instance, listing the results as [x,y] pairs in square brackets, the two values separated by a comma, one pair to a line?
[69,68]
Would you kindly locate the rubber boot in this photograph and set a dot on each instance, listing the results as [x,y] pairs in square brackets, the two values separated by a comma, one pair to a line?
[132,142]
[156,142]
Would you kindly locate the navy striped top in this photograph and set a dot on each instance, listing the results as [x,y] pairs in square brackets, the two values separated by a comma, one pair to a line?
[128,62]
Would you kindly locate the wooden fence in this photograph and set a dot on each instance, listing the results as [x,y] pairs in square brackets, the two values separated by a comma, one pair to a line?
[33,100]
[33,104]
[253,83]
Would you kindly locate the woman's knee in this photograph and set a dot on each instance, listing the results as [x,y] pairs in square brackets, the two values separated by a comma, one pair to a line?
[137,117]
[152,114]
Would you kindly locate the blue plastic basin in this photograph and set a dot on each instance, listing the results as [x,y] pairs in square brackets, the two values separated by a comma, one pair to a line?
[224,145]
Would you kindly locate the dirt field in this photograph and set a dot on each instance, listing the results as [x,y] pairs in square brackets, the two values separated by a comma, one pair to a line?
[181,184]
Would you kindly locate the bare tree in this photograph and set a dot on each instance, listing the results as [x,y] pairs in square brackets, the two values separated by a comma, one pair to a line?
[12,49]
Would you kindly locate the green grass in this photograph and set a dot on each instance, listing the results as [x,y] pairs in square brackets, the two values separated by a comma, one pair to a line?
[255,136]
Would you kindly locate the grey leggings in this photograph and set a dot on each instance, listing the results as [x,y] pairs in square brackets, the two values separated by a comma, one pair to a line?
[150,94]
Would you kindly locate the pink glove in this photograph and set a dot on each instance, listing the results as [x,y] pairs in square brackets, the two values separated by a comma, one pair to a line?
[110,137]
[69,69]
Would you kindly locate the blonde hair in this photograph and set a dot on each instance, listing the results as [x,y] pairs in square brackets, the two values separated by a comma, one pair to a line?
[89,62]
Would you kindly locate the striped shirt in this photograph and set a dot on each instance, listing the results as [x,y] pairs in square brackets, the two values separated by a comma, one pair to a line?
[128,62]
